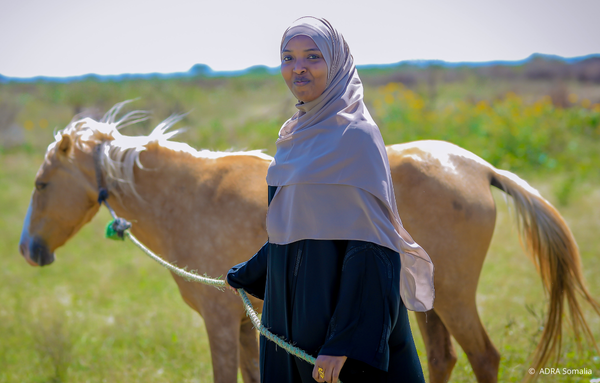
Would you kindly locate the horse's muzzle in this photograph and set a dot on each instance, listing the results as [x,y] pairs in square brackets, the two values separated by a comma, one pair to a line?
[36,252]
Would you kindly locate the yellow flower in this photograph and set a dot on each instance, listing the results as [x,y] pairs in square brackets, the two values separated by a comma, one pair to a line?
[389,99]
[482,106]
[573,98]
[586,103]
[417,103]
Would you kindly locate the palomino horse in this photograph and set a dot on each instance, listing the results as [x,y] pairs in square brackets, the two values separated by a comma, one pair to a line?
[206,210]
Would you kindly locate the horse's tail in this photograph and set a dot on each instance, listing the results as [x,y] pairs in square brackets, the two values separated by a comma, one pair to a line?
[551,245]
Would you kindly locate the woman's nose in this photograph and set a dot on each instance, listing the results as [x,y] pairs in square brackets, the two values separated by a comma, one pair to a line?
[299,68]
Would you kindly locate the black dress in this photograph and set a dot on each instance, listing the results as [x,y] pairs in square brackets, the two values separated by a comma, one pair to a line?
[331,297]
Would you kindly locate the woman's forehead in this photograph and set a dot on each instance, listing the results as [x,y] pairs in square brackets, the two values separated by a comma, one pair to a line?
[300,42]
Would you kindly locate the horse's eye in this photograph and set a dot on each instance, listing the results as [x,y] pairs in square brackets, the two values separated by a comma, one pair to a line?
[40,185]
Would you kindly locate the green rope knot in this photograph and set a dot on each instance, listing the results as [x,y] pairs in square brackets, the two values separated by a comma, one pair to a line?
[116,228]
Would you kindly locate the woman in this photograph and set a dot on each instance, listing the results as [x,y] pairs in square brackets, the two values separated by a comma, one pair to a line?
[331,275]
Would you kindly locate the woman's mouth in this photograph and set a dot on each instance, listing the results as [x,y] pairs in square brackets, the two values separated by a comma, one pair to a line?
[301,81]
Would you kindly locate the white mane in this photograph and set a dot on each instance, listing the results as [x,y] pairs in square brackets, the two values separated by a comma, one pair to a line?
[120,153]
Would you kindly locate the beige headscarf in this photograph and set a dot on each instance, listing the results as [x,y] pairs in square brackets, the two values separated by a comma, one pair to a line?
[331,154]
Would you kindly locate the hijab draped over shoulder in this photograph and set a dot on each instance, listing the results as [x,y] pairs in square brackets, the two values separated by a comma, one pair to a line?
[333,173]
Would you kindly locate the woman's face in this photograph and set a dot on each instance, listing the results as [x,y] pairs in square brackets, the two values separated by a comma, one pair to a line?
[303,68]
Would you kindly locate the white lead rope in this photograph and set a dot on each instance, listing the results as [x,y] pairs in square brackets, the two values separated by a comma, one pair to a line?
[220,284]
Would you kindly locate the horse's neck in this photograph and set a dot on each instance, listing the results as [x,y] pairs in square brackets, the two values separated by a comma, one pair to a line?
[168,187]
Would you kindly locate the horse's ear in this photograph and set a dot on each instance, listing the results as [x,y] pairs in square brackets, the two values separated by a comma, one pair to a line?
[65,145]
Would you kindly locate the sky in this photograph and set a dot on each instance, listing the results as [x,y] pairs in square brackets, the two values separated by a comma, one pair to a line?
[75,37]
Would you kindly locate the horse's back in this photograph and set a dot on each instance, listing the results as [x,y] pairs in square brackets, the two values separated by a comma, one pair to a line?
[444,200]
[216,205]
[244,176]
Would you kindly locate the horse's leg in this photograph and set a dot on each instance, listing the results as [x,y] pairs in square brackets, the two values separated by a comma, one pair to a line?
[462,320]
[249,359]
[221,312]
[441,356]
[223,329]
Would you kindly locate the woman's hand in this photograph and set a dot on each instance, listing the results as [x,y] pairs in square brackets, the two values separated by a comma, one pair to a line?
[327,368]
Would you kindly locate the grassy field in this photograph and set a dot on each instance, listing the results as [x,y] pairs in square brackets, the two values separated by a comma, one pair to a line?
[105,313]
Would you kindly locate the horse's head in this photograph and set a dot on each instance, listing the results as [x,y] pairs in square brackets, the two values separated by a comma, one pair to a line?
[66,188]
[64,198]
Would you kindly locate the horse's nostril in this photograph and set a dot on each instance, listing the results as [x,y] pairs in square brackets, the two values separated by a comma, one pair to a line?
[36,251]
[39,252]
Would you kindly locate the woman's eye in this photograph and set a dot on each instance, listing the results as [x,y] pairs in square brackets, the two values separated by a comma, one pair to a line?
[313,56]
[286,58]
[39,186]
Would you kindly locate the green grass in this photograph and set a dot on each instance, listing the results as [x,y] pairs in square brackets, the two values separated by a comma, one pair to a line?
[105,313]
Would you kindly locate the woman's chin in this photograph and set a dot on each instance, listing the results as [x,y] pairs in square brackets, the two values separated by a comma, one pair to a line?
[306,98]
